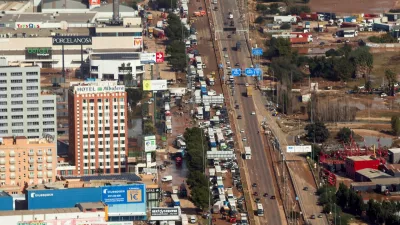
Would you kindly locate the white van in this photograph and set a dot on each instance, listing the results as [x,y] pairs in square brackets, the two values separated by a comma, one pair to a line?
[166,179]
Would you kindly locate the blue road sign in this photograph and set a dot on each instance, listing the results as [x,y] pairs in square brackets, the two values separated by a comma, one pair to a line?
[257,72]
[257,51]
[236,72]
[249,72]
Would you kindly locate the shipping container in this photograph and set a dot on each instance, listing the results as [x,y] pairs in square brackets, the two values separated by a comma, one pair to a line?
[347,24]
[61,198]
[285,19]
[6,201]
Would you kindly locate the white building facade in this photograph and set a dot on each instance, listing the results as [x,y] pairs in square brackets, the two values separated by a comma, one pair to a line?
[24,109]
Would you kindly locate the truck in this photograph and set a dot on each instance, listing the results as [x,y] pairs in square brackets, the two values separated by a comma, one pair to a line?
[328,15]
[175,200]
[159,24]
[285,19]
[247,152]
[312,16]
[347,24]
[249,91]
[159,33]
[350,19]
[381,27]
[178,161]
[211,80]
[238,44]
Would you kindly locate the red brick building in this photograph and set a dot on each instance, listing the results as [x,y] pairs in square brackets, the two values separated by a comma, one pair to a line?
[97,127]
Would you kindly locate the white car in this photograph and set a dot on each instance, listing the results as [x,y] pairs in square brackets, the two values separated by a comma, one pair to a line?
[230,16]
[253,113]
[226,55]
[228,62]
[242,131]
[246,84]
[244,139]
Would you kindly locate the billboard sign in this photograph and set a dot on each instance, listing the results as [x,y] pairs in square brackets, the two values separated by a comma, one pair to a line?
[94,2]
[72,40]
[150,143]
[257,51]
[38,53]
[164,212]
[98,89]
[249,72]
[298,149]
[125,194]
[159,57]
[85,221]
[155,85]
[148,58]
[236,72]
[28,25]
[137,42]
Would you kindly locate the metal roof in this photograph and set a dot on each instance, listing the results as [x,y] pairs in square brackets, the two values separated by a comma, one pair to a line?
[373,173]
[126,177]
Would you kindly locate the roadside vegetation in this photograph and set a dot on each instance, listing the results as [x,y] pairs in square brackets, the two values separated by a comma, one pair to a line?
[384,38]
[343,202]
[197,180]
[176,49]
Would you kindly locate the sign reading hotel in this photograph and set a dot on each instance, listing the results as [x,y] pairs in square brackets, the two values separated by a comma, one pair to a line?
[98,89]
[74,40]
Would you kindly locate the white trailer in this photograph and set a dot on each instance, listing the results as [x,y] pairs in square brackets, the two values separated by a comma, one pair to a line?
[285,19]
[247,152]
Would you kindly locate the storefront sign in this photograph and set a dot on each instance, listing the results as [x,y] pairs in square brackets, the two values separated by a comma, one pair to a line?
[78,40]
[38,53]
[164,212]
[28,25]
[137,42]
[99,89]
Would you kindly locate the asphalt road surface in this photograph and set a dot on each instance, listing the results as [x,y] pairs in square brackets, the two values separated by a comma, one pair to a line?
[258,168]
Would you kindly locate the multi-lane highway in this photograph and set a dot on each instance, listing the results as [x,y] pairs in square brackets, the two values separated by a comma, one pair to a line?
[257,167]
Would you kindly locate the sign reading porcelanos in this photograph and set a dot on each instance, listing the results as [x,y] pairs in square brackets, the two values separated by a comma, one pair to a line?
[77,40]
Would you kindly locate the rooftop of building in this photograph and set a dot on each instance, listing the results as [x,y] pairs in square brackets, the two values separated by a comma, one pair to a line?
[373,173]
[109,8]
[4,194]
[361,184]
[394,150]
[360,158]
[115,56]
[64,4]
[125,177]
[149,180]
[48,17]
[12,5]
[10,32]
[6,142]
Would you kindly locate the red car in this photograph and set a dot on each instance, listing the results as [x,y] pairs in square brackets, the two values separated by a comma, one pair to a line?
[255,194]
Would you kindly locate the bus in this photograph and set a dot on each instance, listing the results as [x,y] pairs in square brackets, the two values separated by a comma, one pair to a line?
[247,152]
[260,210]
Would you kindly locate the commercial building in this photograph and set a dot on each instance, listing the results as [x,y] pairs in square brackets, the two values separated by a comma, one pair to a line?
[356,163]
[25,110]
[125,202]
[6,201]
[116,66]
[26,162]
[98,122]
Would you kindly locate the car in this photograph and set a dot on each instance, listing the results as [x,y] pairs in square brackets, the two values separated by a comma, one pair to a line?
[241,131]
[322,43]
[239,117]
[244,139]
[229,67]
[319,216]
[237,65]
[246,84]
[257,200]
[216,8]
[273,197]
[312,216]
[230,15]
[224,49]
[254,185]
[253,113]
[226,56]
[305,188]
[255,193]
[265,194]
[200,8]
[193,219]
[228,62]
[229,36]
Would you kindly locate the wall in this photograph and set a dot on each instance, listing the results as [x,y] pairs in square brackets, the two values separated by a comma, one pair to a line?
[50,219]
[124,42]
[63,198]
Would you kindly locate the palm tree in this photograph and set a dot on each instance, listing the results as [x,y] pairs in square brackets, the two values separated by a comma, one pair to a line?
[391,77]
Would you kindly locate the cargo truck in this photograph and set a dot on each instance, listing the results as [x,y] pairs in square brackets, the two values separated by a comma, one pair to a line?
[312,16]
[249,92]
[381,27]
[285,19]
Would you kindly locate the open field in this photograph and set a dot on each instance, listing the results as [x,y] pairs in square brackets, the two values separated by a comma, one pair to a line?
[352,6]
[382,62]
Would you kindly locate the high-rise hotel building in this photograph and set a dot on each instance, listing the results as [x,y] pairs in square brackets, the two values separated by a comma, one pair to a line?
[97,127]
[25,110]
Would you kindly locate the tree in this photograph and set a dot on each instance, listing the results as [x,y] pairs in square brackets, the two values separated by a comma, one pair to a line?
[395,122]
[200,197]
[285,70]
[148,128]
[259,20]
[368,85]
[176,49]
[261,7]
[134,96]
[344,69]
[167,4]
[345,134]
[342,195]
[332,52]
[385,38]
[298,9]
[278,47]
[362,58]
[391,77]
[175,29]
[317,131]
[196,178]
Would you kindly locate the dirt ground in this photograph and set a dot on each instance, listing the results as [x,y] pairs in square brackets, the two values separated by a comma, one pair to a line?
[352,6]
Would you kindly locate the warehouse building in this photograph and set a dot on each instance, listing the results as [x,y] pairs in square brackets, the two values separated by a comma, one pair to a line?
[356,163]
[394,155]
[366,175]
